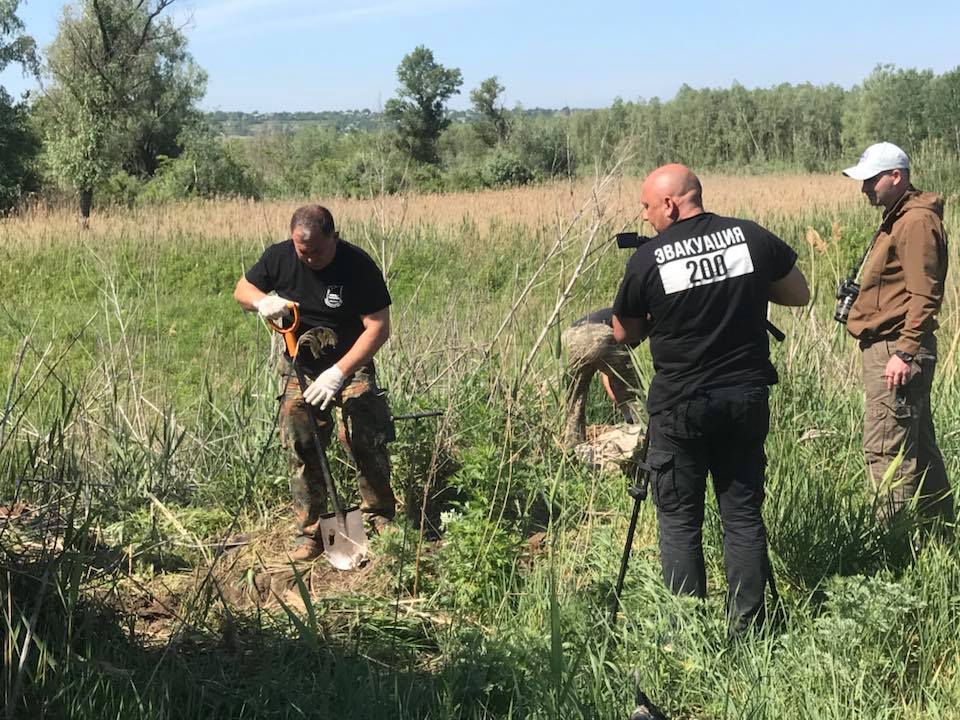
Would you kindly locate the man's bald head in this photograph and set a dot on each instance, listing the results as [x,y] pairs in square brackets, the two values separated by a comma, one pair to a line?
[669,194]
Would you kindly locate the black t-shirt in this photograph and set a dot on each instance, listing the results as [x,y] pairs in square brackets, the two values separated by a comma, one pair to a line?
[335,297]
[705,283]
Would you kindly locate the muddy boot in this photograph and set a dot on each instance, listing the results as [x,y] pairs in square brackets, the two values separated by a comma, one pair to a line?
[307,549]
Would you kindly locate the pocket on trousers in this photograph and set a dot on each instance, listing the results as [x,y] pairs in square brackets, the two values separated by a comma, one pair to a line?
[883,433]
[663,480]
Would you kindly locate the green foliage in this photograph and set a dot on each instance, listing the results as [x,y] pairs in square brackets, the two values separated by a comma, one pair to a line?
[15,46]
[786,127]
[187,526]
[942,110]
[543,148]
[207,168]
[888,105]
[419,111]
[505,168]
[122,86]
[85,153]
[492,127]
[476,565]
[119,189]
[132,371]
[936,166]
[19,147]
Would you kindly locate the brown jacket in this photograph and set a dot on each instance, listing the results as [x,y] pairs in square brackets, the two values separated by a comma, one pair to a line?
[901,285]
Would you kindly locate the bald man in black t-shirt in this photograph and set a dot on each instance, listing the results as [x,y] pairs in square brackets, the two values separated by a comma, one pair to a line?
[344,311]
[699,291]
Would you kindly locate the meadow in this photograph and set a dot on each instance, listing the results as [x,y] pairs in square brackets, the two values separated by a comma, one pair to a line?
[144,494]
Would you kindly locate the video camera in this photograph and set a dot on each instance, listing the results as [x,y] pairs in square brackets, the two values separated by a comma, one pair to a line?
[630,240]
[847,292]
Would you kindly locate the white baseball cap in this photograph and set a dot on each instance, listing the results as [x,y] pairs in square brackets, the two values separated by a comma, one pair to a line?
[876,159]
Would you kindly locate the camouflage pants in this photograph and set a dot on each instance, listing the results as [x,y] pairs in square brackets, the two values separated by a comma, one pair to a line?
[891,428]
[364,429]
[592,349]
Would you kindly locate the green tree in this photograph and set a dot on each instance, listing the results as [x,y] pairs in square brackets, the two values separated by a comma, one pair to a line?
[492,126]
[18,144]
[888,105]
[419,111]
[942,109]
[122,88]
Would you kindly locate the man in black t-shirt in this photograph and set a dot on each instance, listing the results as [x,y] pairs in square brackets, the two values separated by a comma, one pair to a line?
[344,311]
[591,350]
[699,290]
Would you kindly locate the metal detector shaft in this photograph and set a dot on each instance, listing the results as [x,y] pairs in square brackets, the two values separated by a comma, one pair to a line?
[418,415]
[639,494]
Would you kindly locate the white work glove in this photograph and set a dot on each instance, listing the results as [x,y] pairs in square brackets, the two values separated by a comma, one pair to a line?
[272,307]
[324,388]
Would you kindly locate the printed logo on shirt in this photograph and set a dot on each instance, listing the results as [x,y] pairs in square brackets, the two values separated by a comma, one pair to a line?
[703,260]
[334,296]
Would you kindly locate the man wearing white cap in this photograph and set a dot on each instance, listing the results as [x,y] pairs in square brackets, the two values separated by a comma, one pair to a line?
[894,317]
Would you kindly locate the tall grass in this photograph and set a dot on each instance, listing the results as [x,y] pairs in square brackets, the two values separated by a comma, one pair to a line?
[138,434]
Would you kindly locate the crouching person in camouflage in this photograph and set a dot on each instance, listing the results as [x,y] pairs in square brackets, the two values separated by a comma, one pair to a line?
[591,349]
[344,311]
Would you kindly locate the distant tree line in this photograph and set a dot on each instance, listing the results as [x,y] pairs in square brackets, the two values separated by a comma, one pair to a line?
[236,123]
[415,142]
[118,122]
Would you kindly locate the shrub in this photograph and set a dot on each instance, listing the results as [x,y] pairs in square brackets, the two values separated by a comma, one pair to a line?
[207,168]
[478,557]
[504,167]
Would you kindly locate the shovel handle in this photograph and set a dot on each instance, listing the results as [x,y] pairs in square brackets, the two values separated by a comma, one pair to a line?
[289,333]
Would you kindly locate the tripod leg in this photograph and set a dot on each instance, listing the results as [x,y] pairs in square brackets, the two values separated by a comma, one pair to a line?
[625,560]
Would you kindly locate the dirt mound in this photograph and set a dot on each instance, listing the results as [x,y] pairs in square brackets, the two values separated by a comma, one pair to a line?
[252,571]
[259,573]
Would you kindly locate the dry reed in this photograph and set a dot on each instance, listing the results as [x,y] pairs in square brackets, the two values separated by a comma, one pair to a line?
[761,198]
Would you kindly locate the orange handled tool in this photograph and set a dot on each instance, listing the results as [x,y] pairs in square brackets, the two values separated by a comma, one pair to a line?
[289,333]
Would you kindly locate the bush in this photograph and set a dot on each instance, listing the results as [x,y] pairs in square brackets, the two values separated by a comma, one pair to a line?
[543,148]
[119,189]
[505,168]
[478,558]
[207,168]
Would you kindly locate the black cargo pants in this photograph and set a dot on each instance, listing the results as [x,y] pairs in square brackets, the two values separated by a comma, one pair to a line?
[720,431]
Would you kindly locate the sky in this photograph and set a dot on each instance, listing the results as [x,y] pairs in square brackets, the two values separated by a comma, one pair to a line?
[296,55]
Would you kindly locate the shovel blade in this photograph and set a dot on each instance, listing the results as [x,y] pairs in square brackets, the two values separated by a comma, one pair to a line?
[344,539]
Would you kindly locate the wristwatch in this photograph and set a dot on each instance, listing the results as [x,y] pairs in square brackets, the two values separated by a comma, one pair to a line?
[905,356]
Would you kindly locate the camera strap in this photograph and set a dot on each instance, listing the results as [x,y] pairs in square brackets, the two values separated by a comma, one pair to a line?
[883,221]
[855,272]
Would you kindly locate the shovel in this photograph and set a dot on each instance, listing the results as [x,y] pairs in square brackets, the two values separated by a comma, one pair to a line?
[341,531]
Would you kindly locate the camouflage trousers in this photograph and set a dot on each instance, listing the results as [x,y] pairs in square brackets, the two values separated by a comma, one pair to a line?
[899,424]
[592,349]
[364,427]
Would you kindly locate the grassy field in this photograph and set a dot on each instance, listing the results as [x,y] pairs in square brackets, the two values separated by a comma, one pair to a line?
[138,433]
